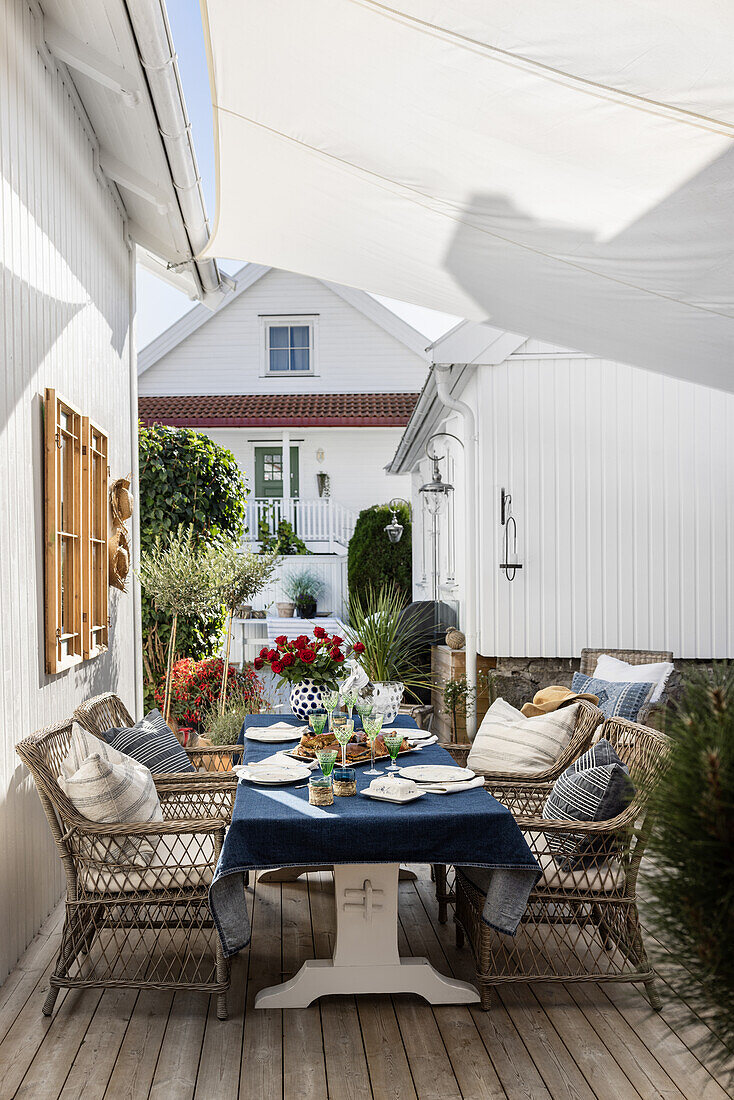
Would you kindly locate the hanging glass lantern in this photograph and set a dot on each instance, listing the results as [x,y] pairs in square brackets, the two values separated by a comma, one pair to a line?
[435,492]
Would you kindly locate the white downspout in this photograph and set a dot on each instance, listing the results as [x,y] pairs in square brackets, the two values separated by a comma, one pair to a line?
[442,375]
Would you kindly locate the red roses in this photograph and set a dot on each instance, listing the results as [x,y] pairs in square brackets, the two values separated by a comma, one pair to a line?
[317,658]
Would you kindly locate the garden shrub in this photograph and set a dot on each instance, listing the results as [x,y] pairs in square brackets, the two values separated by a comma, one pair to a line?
[195,689]
[186,479]
[373,560]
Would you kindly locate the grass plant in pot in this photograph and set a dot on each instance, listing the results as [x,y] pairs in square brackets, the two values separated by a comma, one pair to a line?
[304,589]
[309,665]
[391,639]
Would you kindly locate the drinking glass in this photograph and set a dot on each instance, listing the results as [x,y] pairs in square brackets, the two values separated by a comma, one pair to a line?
[330,699]
[364,706]
[349,698]
[343,730]
[317,721]
[393,741]
[326,759]
[372,727]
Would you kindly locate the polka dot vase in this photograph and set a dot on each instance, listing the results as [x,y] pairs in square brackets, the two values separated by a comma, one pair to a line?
[305,697]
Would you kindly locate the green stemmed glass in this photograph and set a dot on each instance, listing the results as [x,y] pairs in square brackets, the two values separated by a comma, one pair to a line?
[330,700]
[350,698]
[393,741]
[326,759]
[343,732]
[364,707]
[317,721]
[372,727]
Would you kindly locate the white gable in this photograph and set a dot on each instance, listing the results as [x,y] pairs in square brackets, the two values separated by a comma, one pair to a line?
[360,345]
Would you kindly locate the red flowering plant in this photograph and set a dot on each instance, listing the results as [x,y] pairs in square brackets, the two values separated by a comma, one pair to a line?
[318,658]
[195,688]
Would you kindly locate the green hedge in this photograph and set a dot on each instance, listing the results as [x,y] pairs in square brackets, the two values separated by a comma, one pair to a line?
[375,561]
[185,478]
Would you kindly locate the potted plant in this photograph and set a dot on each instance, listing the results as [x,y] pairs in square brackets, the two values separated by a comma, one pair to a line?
[242,574]
[304,589]
[392,639]
[309,665]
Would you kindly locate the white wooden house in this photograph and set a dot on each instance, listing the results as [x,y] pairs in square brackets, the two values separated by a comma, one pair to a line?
[621,485]
[86,175]
[309,385]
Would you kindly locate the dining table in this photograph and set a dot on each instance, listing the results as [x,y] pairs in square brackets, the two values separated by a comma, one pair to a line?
[365,841]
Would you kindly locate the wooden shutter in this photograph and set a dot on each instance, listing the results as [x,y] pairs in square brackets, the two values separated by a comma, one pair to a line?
[95,519]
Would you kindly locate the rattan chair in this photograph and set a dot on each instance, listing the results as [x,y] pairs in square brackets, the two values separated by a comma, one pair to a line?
[589,658]
[104,712]
[127,924]
[581,923]
[587,722]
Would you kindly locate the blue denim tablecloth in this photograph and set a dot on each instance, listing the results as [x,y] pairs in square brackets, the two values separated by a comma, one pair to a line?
[276,826]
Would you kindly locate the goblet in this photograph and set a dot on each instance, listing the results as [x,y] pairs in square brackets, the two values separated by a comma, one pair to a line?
[343,730]
[317,721]
[349,698]
[330,700]
[372,727]
[393,741]
[326,759]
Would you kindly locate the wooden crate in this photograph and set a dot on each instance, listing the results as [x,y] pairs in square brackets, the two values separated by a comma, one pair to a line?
[448,664]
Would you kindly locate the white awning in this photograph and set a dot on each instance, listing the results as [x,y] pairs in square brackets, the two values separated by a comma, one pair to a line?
[560,169]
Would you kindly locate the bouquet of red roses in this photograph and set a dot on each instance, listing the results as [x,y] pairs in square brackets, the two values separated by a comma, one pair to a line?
[317,658]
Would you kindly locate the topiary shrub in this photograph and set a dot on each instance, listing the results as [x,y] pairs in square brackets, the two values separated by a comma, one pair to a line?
[186,479]
[373,560]
[691,886]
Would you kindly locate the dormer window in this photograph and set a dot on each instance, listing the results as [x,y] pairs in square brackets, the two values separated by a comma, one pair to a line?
[289,345]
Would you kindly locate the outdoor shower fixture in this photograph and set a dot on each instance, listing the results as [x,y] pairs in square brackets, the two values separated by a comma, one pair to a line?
[394,530]
[508,522]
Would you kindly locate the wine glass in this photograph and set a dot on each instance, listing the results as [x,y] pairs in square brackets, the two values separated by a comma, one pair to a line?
[364,706]
[372,727]
[330,700]
[317,721]
[350,698]
[343,730]
[393,741]
[326,759]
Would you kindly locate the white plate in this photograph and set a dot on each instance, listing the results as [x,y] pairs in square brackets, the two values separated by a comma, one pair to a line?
[272,776]
[436,773]
[274,736]
[386,797]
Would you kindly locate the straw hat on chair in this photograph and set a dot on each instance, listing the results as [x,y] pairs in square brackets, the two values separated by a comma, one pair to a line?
[552,698]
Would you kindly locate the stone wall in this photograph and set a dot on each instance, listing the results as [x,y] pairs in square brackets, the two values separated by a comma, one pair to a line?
[517,679]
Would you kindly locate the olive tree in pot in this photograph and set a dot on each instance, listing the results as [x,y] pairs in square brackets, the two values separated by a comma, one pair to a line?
[304,590]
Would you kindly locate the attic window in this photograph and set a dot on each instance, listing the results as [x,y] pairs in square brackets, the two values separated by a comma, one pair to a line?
[289,346]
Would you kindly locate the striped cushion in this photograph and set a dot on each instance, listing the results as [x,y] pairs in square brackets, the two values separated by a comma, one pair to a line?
[114,793]
[596,787]
[615,700]
[509,742]
[152,742]
[84,745]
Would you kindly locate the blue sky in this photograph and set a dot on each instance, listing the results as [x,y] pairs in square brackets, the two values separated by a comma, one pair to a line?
[159,305]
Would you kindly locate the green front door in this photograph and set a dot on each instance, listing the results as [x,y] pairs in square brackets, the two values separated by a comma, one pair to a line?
[269,472]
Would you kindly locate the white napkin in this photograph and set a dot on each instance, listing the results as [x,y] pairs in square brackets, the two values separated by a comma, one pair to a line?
[281,760]
[421,741]
[454,788]
[283,727]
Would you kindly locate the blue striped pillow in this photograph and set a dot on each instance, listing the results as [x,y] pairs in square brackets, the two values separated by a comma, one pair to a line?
[152,742]
[615,700]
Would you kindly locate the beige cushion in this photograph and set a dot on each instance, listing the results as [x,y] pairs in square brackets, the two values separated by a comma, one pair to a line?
[604,879]
[183,860]
[115,793]
[509,742]
[83,745]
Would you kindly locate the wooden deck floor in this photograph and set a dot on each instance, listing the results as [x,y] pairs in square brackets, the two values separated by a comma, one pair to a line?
[575,1042]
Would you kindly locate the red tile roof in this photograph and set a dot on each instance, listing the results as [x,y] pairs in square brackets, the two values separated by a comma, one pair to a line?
[360,410]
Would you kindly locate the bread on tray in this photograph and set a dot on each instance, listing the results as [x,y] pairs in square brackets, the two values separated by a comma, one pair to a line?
[357,751]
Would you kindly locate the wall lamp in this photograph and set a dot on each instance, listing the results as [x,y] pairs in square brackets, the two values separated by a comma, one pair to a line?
[394,529]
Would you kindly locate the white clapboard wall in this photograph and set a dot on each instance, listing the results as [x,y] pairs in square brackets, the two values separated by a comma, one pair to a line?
[65,280]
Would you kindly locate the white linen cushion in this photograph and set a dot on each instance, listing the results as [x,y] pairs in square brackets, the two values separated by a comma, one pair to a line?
[112,794]
[508,742]
[619,672]
[186,860]
[83,745]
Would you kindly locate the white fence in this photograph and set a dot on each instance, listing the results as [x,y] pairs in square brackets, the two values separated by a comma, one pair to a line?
[329,568]
[315,521]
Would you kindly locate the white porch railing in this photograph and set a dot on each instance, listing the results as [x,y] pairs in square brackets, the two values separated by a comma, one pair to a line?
[321,521]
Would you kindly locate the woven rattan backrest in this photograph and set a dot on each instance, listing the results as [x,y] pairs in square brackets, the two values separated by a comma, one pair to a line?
[102,713]
[589,657]
[643,750]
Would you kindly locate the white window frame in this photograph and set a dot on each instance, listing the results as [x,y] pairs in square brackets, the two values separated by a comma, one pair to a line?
[309,321]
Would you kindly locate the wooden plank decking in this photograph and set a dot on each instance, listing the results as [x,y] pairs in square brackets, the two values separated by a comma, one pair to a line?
[547,1042]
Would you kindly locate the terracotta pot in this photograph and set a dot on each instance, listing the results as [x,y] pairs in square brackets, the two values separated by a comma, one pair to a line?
[285,610]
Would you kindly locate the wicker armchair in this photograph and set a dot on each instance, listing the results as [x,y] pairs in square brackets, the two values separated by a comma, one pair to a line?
[587,722]
[128,925]
[581,923]
[104,712]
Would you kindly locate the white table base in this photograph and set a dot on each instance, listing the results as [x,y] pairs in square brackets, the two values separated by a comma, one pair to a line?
[366,958]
